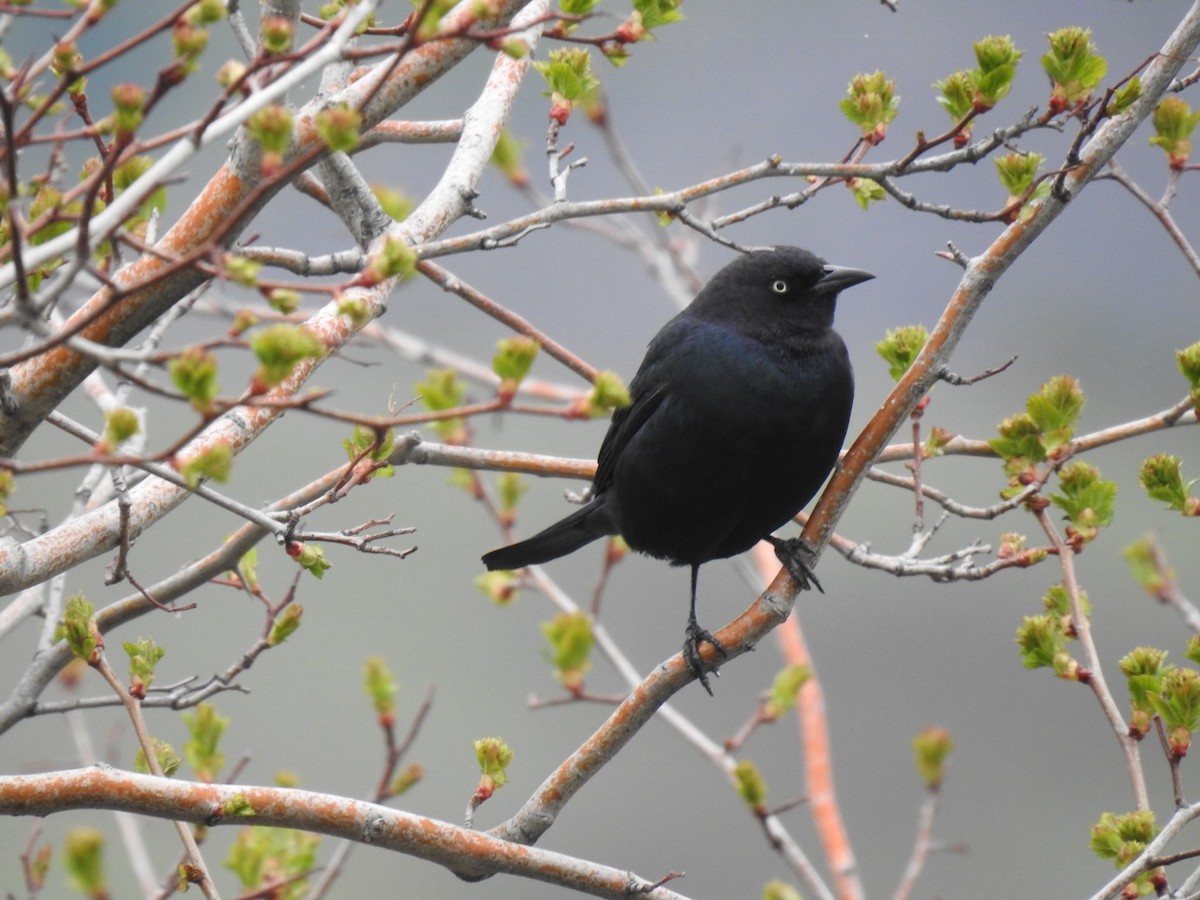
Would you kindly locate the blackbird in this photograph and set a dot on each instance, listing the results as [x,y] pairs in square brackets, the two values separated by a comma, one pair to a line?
[736,418]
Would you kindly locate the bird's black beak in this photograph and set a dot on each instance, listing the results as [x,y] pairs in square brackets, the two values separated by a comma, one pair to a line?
[838,278]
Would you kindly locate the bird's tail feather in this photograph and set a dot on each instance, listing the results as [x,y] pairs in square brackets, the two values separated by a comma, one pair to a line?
[581,527]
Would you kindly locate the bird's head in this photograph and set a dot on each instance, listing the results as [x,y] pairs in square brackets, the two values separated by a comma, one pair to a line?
[787,286]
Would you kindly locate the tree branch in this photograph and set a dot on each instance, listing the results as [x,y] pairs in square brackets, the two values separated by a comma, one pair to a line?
[448,845]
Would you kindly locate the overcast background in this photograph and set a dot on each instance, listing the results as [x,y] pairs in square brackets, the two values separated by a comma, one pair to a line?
[1103,296]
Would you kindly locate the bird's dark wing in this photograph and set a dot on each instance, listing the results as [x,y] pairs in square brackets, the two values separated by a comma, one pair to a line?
[625,425]
[647,391]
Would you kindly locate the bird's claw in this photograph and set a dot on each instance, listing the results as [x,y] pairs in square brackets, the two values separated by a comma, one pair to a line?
[795,554]
[691,653]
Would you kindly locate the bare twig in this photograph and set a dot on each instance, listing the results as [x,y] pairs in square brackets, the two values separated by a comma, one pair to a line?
[1158,209]
[1095,680]
[200,875]
[916,862]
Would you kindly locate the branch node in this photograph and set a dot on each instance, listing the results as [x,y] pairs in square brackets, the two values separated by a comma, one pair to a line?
[949,377]
[954,255]
[8,403]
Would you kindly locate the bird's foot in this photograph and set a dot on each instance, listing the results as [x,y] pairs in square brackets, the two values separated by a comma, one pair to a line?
[691,652]
[795,554]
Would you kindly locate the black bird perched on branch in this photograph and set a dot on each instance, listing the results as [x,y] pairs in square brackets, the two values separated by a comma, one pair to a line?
[738,413]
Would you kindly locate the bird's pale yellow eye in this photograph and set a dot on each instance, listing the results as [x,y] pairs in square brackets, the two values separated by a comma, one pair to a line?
[779,286]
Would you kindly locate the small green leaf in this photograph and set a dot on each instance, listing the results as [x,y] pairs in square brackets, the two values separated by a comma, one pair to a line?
[206,12]
[283,300]
[189,40]
[214,462]
[129,102]
[510,488]
[279,349]
[356,309]
[1020,442]
[430,23]
[127,174]
[1193,649]
[872,104]
[83,857]
[168,760]
[1125,96]
[406,779]
[780,890]
[1162,477]
[7,486]
[285,624]
[931,749]
[230,73]
[751,786]
[997,57]
[782,696]
[570,640]
[512,362]
[441,390]
[866,191]
[900,347]
[202,750]
[1122,838]
[957,95]
[1178,704]
[394,258]
[1043,644]
[1074,67]
[608,393]
[271,861]
[79,629]
[494,757]
[271,128]
[247,568]
[1174,123]
[372,445]
[936,443]
[1055,409]
[310,557]
[275,34]
[569,79]
[1086,499]
[237,805]
[339,127]
[1143,668]
[499,587]
[241,270]
[1018,171]
[120,424]
[144,655]
[656,13]
[392,201]
[380,685]
[1057,602]
[1188,360]
[506,156]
